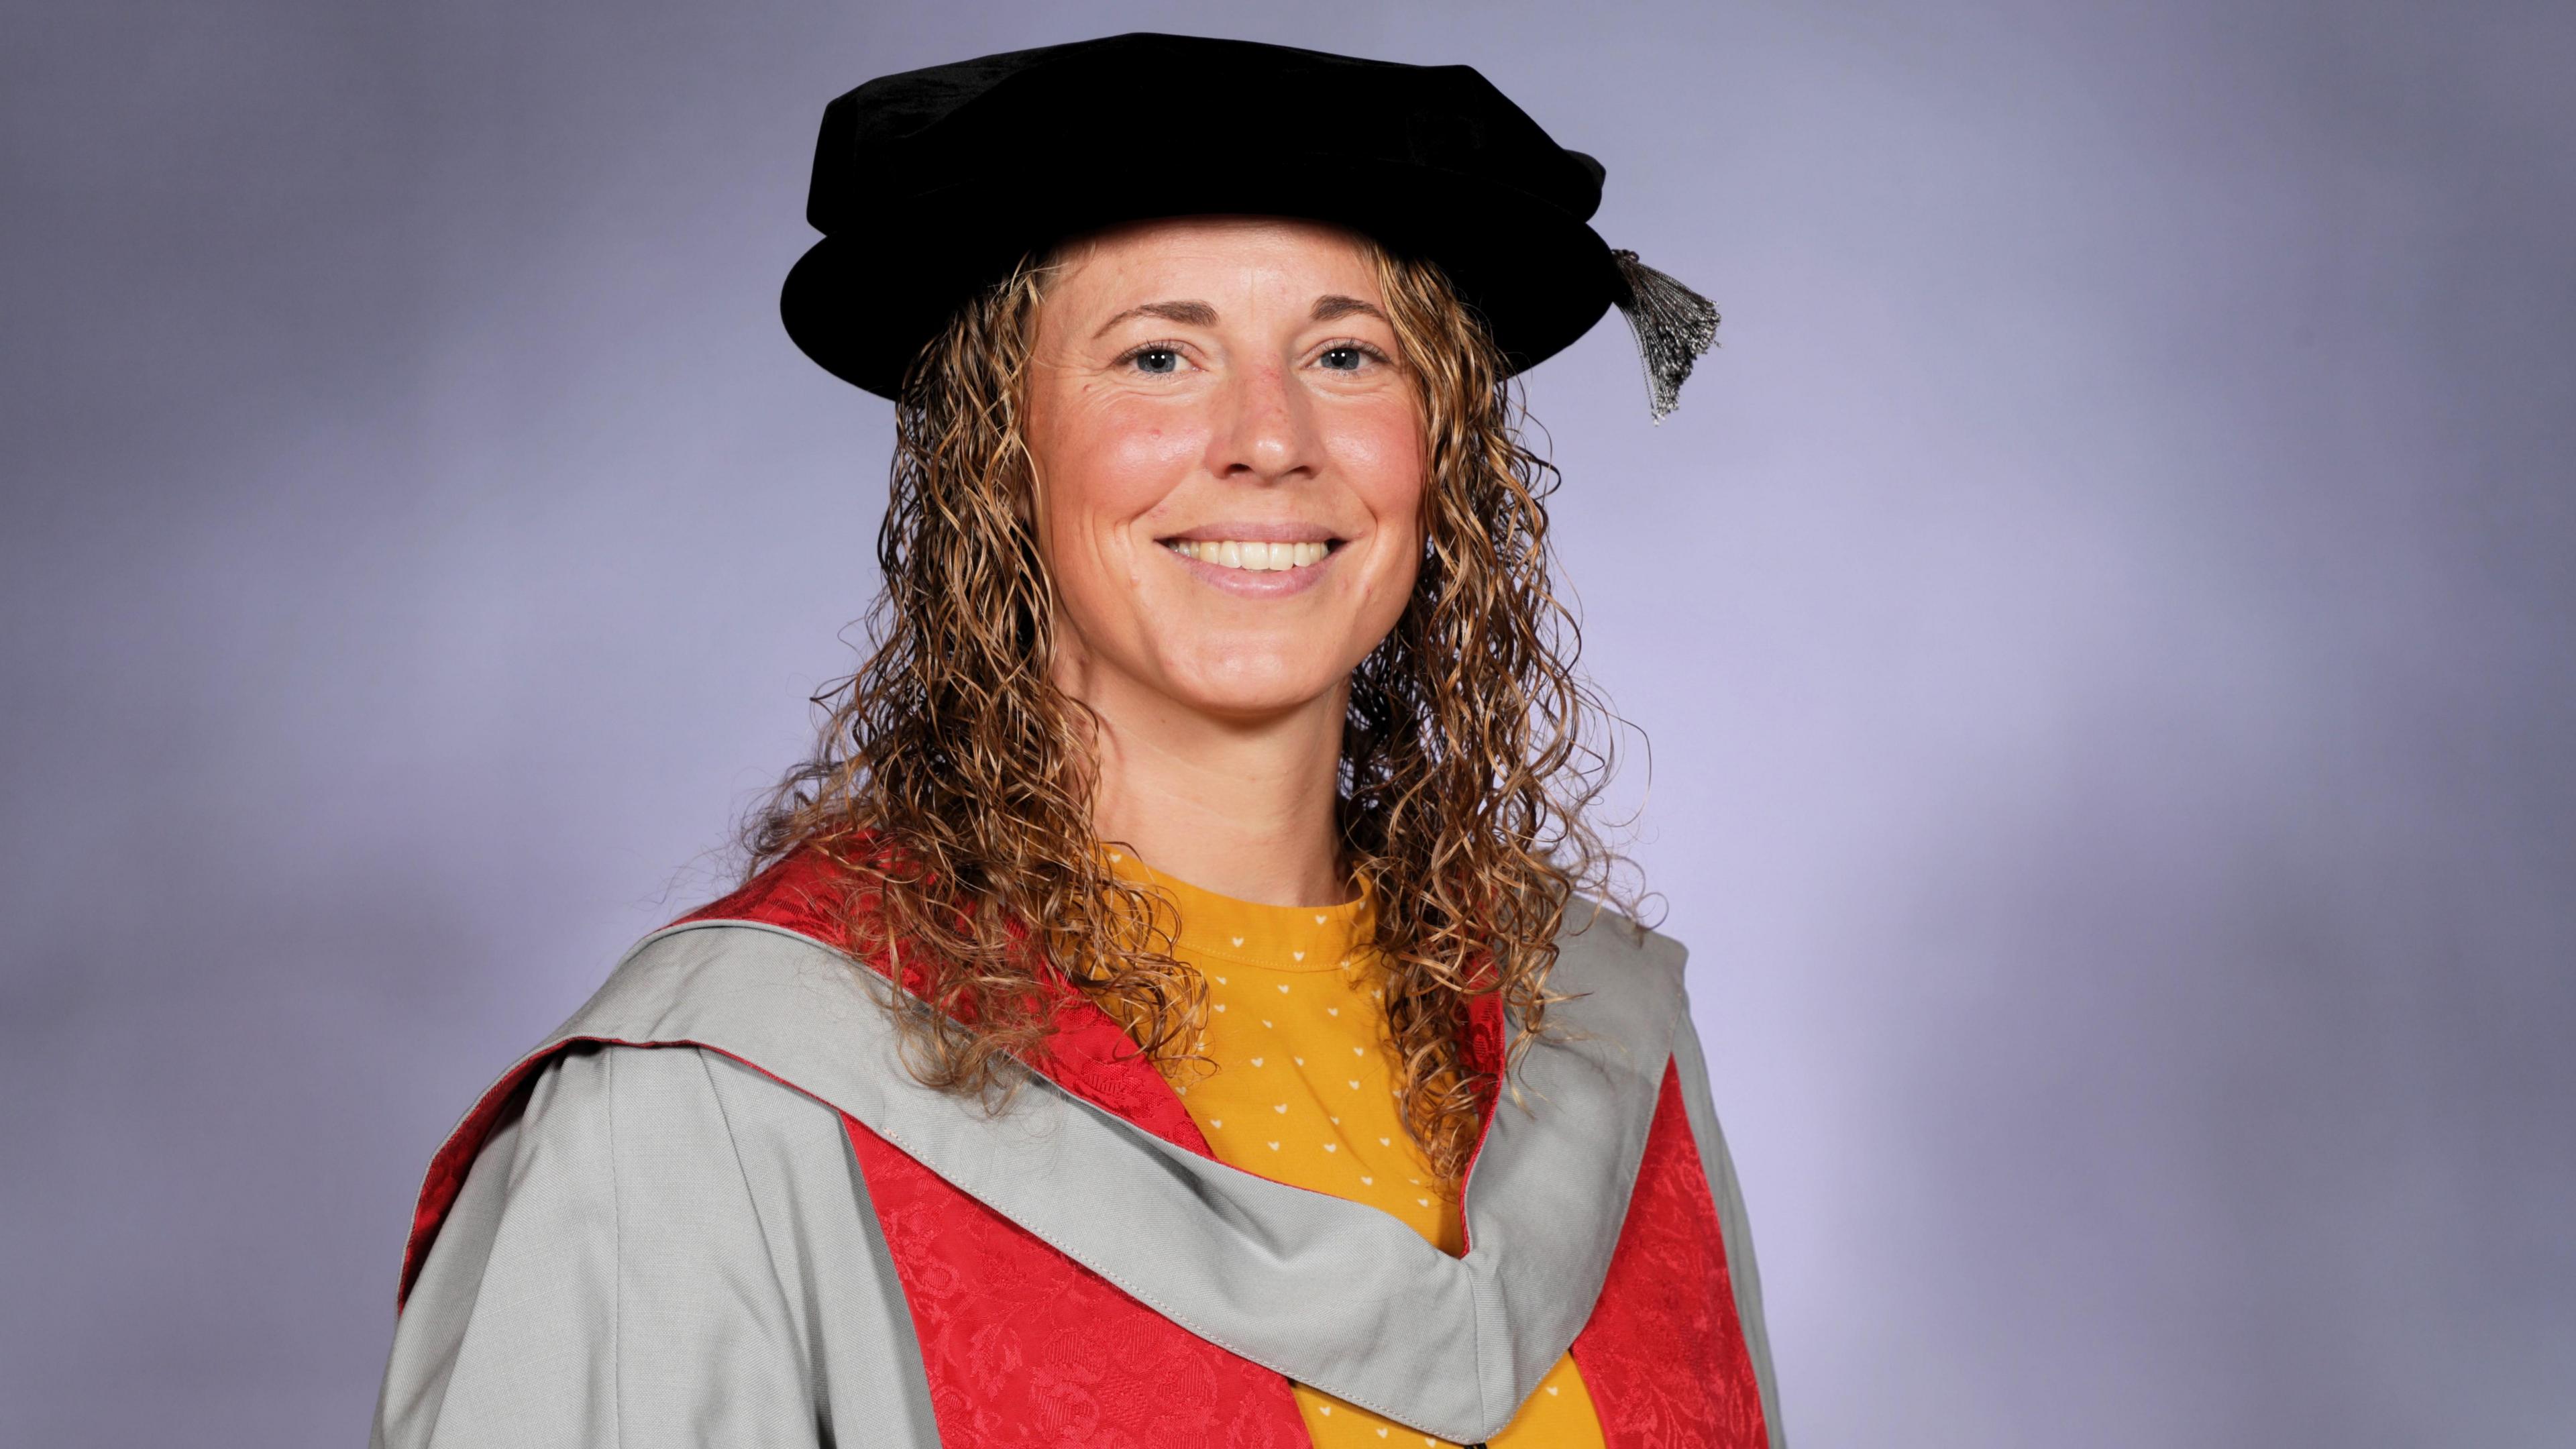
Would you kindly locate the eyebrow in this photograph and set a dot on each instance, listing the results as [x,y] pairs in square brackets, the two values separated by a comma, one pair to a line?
[1188,314]
[1331,307]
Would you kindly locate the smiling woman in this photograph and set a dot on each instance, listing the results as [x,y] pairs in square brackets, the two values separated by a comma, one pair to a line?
[1162,1011]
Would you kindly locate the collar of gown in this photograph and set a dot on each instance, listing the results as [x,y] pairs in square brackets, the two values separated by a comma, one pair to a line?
[1331,1293]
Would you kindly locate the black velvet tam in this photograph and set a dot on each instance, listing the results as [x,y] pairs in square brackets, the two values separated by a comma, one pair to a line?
[931,184]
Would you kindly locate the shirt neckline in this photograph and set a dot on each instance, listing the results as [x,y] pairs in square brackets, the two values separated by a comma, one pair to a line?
[1251,933]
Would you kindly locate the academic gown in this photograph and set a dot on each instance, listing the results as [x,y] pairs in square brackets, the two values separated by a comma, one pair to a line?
[713,1208]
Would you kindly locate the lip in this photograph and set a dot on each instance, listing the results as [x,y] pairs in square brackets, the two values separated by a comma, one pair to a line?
[1272,532]
[1262,583]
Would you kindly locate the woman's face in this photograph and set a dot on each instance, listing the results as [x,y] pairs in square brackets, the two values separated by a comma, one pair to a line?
[1229,464]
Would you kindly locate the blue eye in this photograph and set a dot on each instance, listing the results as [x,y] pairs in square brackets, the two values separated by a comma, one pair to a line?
[1157,360]
[1343,359]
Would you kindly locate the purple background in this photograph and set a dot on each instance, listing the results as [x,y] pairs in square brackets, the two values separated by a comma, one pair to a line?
[2103,618]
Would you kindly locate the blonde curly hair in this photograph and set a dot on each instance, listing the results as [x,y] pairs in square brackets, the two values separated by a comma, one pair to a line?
[953,781]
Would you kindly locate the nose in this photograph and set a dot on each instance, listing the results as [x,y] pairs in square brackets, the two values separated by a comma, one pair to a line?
[1266,433]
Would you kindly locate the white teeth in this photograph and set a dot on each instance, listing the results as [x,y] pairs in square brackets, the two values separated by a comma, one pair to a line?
[1252,556]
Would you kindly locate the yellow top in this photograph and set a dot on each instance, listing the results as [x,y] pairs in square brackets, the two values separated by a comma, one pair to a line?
[1303,1093]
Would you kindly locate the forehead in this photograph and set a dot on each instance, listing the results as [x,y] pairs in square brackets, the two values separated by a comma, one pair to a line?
[1211,258]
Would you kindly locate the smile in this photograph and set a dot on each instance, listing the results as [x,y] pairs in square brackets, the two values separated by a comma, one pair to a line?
[1249,555]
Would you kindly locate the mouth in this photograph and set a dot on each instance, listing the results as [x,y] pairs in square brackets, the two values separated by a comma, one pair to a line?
[1254,555]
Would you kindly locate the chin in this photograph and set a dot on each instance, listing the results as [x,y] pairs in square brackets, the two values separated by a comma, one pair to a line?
[1247,684]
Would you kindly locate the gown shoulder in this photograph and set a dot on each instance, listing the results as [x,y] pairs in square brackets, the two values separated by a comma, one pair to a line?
[656,1245]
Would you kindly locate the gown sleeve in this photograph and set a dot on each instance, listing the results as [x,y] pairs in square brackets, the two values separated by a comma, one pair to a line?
[657,1247]
[1723,1188]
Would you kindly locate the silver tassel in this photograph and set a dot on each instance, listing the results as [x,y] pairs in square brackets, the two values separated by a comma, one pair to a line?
[1674,325]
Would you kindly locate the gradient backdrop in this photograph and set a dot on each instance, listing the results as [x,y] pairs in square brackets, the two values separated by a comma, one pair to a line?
[2102,618]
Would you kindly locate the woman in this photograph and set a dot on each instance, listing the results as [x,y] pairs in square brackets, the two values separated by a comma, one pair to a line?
[1160,1014]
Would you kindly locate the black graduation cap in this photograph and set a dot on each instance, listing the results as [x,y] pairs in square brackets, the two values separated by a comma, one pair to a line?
[931,184]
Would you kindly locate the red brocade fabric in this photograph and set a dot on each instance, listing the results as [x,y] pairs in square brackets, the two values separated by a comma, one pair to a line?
[1024,1347]
[1664,1352]
[803,893]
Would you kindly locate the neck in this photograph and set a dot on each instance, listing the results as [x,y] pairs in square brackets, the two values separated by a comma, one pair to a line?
[1243,808]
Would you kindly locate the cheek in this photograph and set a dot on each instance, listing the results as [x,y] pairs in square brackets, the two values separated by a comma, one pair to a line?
[1380,453]
[1115,460]
[1103,467]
